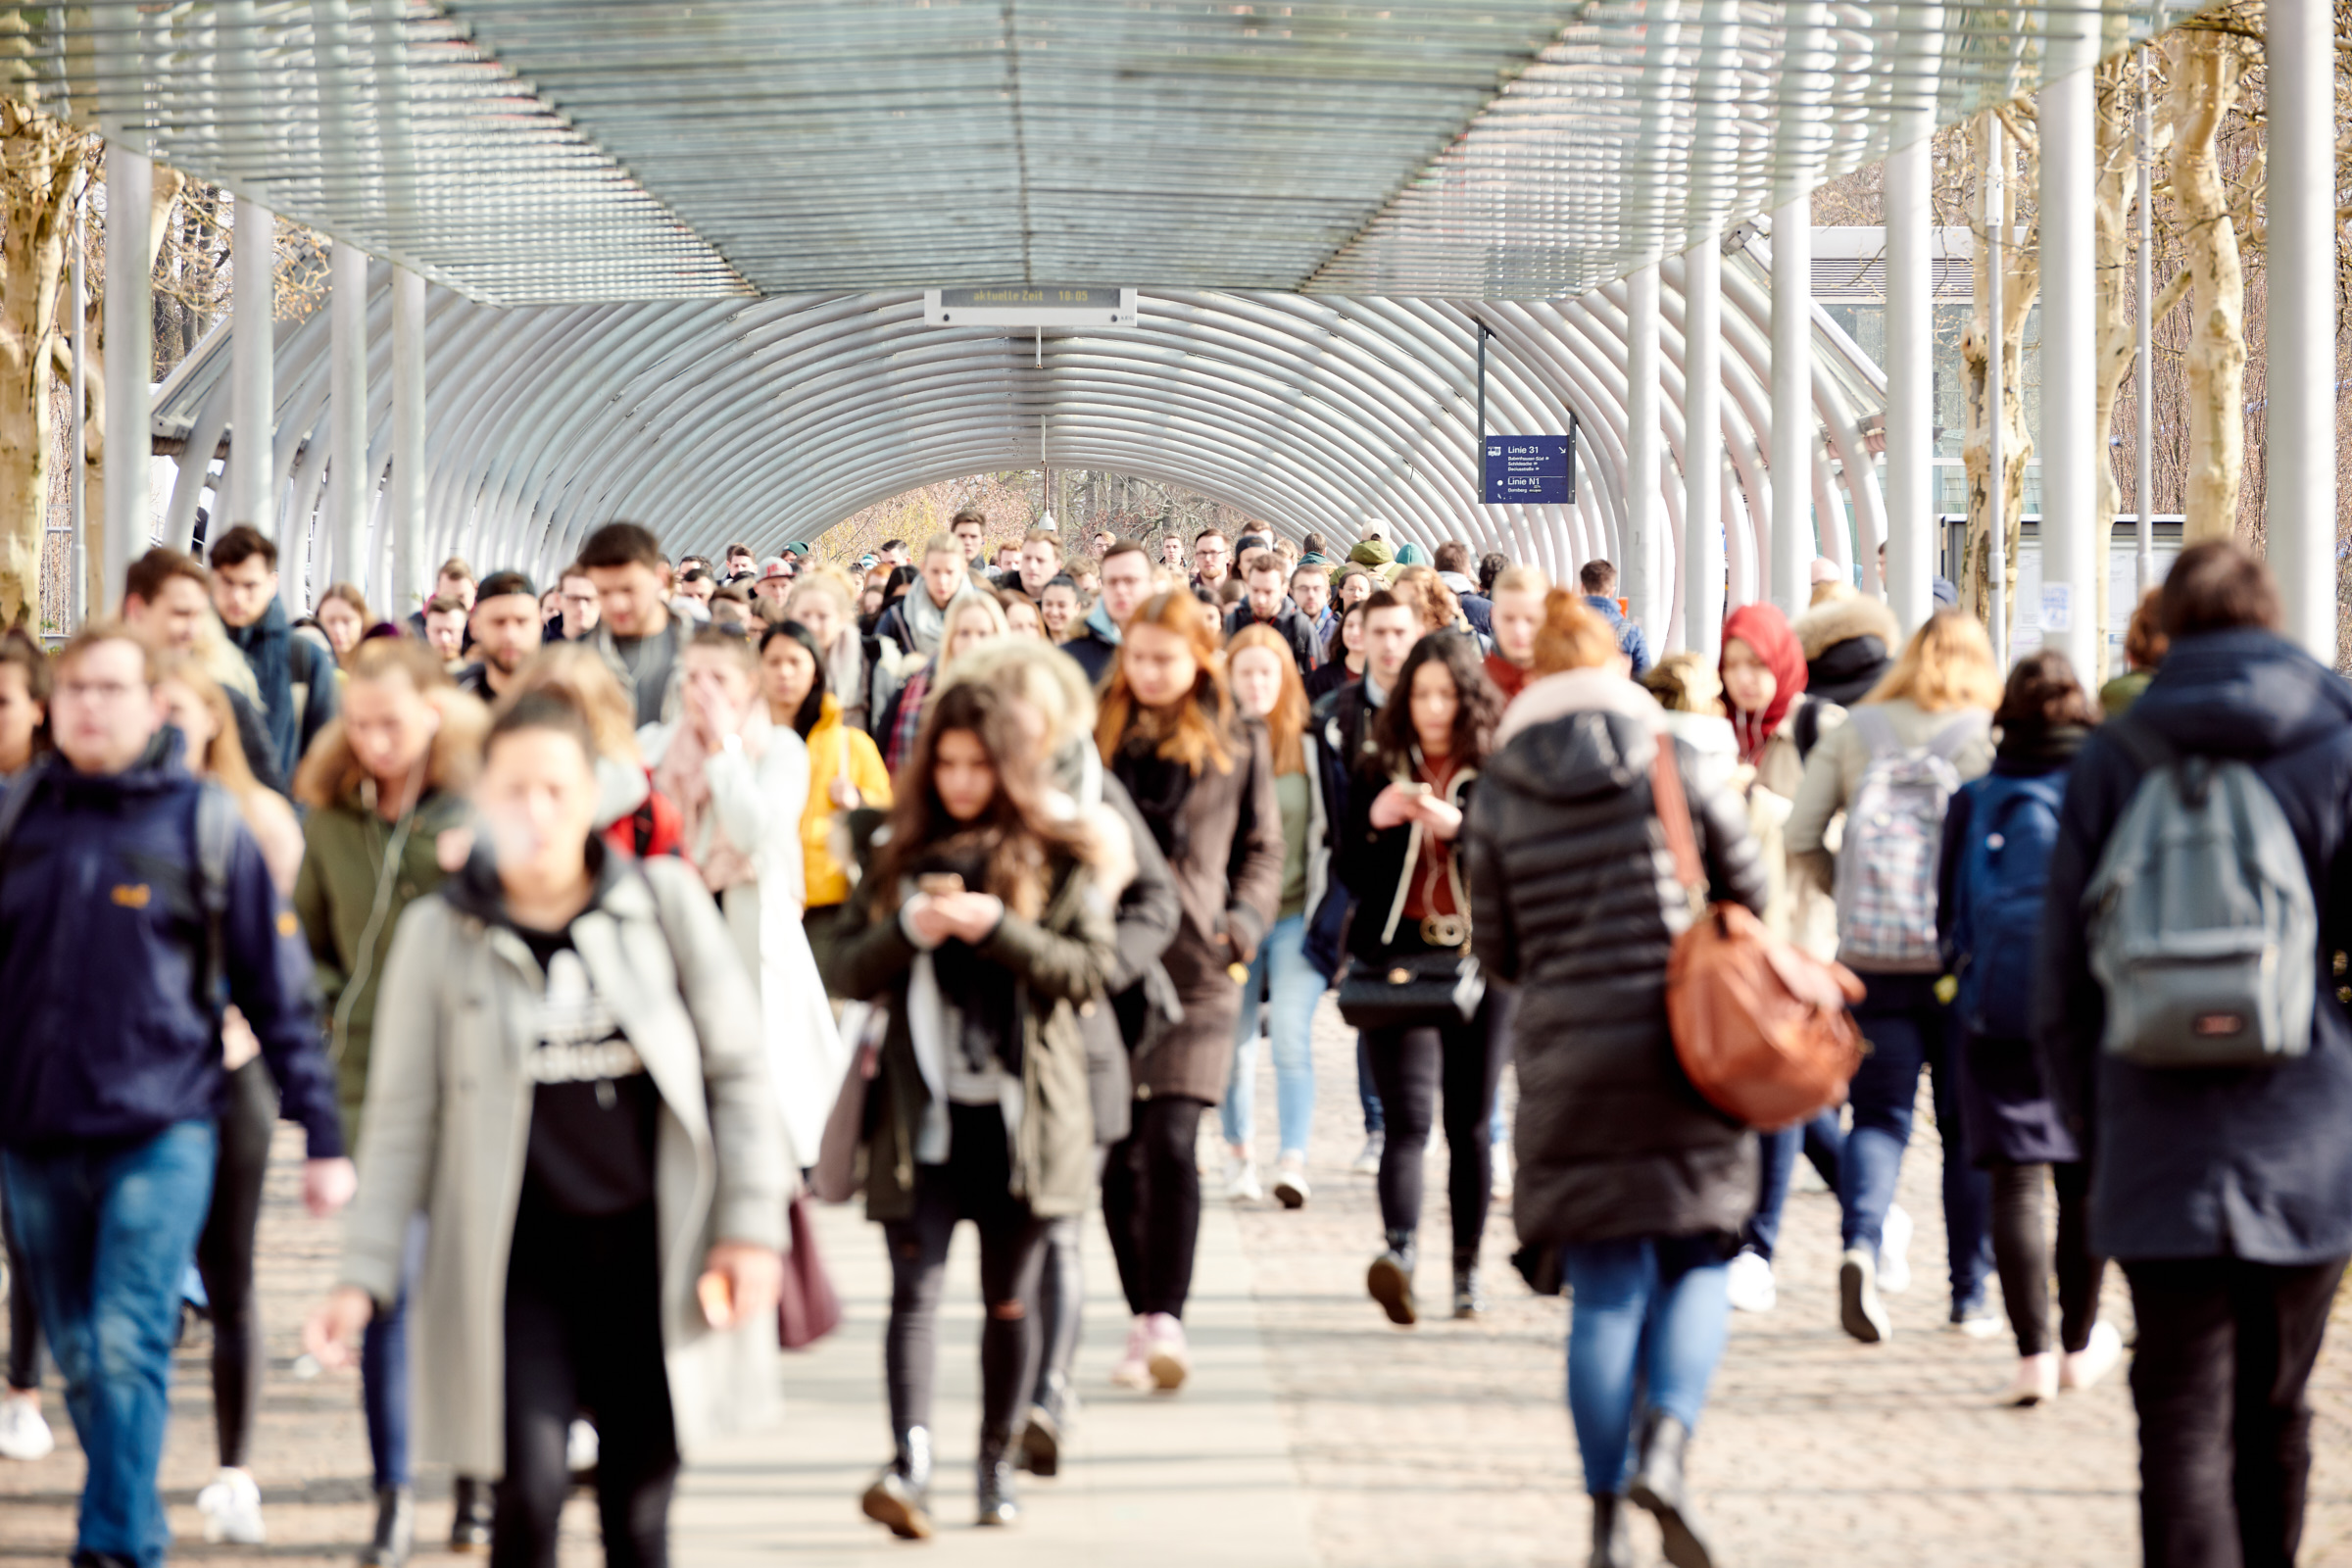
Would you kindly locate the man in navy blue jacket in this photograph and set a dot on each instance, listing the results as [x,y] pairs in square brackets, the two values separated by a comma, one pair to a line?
[2224,1192]
[110,1057]
[1598,580]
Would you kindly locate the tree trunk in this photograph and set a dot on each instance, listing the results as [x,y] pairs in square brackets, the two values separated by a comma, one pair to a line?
[2205,81]
[42,168]
[2021,282]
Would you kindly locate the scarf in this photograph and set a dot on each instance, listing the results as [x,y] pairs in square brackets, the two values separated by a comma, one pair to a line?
[2032,749]
[927,622]
[684,776]
[976,997]
[268,647]
[1766,631]
[1099,621]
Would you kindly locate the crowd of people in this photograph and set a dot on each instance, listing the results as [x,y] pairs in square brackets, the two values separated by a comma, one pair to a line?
[580,924]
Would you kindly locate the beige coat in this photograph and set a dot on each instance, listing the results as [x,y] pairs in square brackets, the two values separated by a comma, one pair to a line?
[1834,771]
[448,1126]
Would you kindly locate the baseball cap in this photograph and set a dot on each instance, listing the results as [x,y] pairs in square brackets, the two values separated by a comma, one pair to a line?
[775,566]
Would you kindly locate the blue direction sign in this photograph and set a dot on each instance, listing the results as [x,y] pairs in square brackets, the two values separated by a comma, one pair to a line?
[1529,471]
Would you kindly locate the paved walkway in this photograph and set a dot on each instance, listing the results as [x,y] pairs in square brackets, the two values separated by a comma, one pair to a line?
[1313,1432]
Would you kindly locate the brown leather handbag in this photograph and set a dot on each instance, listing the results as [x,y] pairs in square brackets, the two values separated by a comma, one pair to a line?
[1760,1025]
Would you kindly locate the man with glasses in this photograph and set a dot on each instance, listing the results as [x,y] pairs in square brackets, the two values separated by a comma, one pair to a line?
[577,599]
[133,905]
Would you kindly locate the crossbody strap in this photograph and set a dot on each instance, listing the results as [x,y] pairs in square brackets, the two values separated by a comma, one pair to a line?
[1673,808]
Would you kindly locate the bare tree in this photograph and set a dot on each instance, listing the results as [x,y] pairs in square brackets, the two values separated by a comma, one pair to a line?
[41,167]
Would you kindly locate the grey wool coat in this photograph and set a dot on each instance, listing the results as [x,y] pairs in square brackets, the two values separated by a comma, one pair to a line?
[447,1129]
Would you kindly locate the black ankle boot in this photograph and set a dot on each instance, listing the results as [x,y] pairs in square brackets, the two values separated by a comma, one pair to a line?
[997,1504]
[1469,1294]
[395,1528]
[1049,1424]
[1391,1278]
[1612,1540]
[470,1515]
[901,1495]
[1658,1486]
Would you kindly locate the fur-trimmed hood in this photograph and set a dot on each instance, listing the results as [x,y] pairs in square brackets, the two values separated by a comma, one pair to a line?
[331,776]
[1840,620]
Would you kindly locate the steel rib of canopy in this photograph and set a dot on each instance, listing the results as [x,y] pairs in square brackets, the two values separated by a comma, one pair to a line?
[771,419]
[583,149]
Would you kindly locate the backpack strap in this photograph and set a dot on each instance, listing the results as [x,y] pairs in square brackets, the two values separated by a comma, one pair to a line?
[1949,741]
[1808,730]
[2140,743]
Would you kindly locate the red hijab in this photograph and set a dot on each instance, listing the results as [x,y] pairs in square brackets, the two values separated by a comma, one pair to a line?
[1766,631]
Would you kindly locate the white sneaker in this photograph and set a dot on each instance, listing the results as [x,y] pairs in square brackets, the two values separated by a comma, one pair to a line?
[2083,1369]
[1367,1163]
[232,1507]
[1748,1283]
[1291,1190]
[2035,1383]
[1132,1370]
[23,1435]
[1240,1181]
[581,1446]
[1165,1354]
[1894,1253]
[1859,1310]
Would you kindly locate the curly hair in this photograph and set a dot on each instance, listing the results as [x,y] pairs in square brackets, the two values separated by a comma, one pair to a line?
[1477,709]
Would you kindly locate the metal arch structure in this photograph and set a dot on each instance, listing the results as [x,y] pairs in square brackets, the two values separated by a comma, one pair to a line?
[772,419]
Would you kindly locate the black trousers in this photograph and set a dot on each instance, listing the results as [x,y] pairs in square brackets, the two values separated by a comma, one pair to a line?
[1061,1298]
[1152,1204]
[225,1255]
[583,1327]
[2225,1348]
[975,1184]
[1410,1069]
[2021,1252]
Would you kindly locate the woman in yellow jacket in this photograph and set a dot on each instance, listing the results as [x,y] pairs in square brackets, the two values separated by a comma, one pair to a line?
[845,770]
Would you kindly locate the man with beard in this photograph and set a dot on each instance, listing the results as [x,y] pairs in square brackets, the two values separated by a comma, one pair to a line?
[507,632]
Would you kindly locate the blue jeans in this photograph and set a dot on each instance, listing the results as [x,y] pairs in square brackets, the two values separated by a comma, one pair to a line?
[1823,1140]
[1296,987]
[1907,1030]
[1647,1317]
[1374,1122]
[385,1370]
[109,1232]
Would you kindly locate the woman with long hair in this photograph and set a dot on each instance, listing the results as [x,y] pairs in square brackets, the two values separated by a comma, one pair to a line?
[971,619]
[844,770]
[1930,716]
[1203,776]
[231,1504]
[822,601]
[342,615]
[1343,655]
[1639,1184]
[1998,841]
[1404,814]
[1265,677]
[568,1082]
[980,920]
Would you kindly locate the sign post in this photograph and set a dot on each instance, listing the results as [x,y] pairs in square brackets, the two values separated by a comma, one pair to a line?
[1532,471]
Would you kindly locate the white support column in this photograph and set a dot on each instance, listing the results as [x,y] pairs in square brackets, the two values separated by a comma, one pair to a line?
[1702,448]
[405,521]
[1910,383]
[130,366]
[2073,543]
[351,484]
[2300,501]
[1639,570]
[1792,543]
[252,383]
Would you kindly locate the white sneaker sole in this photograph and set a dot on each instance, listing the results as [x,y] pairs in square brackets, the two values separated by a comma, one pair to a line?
[1168,1371]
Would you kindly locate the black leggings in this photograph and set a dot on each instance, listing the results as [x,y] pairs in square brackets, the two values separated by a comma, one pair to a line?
[225,1255]
[975,1184]
[1408,1068]
[583,1334]
[1152,1204]
[24,1326]
[1061,1298]
[2021,1250]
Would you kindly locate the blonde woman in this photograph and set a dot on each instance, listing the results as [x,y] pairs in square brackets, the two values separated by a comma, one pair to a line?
[823,601]
[969,621]
[1936,705]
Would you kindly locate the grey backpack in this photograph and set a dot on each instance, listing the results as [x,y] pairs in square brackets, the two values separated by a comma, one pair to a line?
[2203,931]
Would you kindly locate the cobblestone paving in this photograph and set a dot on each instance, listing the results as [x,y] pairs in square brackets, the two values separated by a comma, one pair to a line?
[1444,1445]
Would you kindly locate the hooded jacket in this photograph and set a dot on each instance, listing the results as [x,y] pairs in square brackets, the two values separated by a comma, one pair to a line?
[1631,641]
[2252,1162]
[345,866]
[1096,644]
[678,630]
[835,750]
[1288,624]
[297,683]
[1849,643]
[1574,902]
[108,1034]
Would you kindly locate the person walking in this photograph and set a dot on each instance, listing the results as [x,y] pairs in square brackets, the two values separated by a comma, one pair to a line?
[1343,655]
[296,677]
[1405,813]
[971,621]
[1640,1185]
[1202,777]
[566,1078]
[1893,766]
[1997,838]
[25,687]
[1266,687]
[2225,1191]
[638,638]
[385,792]
[980,920]
[844,770]
[111,1067]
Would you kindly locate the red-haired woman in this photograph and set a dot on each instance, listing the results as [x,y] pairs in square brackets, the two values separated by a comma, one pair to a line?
[1202,777]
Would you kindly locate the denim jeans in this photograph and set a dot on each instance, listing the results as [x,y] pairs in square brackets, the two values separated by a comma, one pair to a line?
[385,1370]
[1294,989]
[1908,1029]
[1374,1122]
[1646,1314]
[109,1232]
[1823,1140]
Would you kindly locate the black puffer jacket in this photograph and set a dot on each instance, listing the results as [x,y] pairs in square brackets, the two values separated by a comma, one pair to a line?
[1573,898]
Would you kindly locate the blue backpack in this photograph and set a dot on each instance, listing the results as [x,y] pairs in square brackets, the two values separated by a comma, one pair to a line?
[1996,930]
